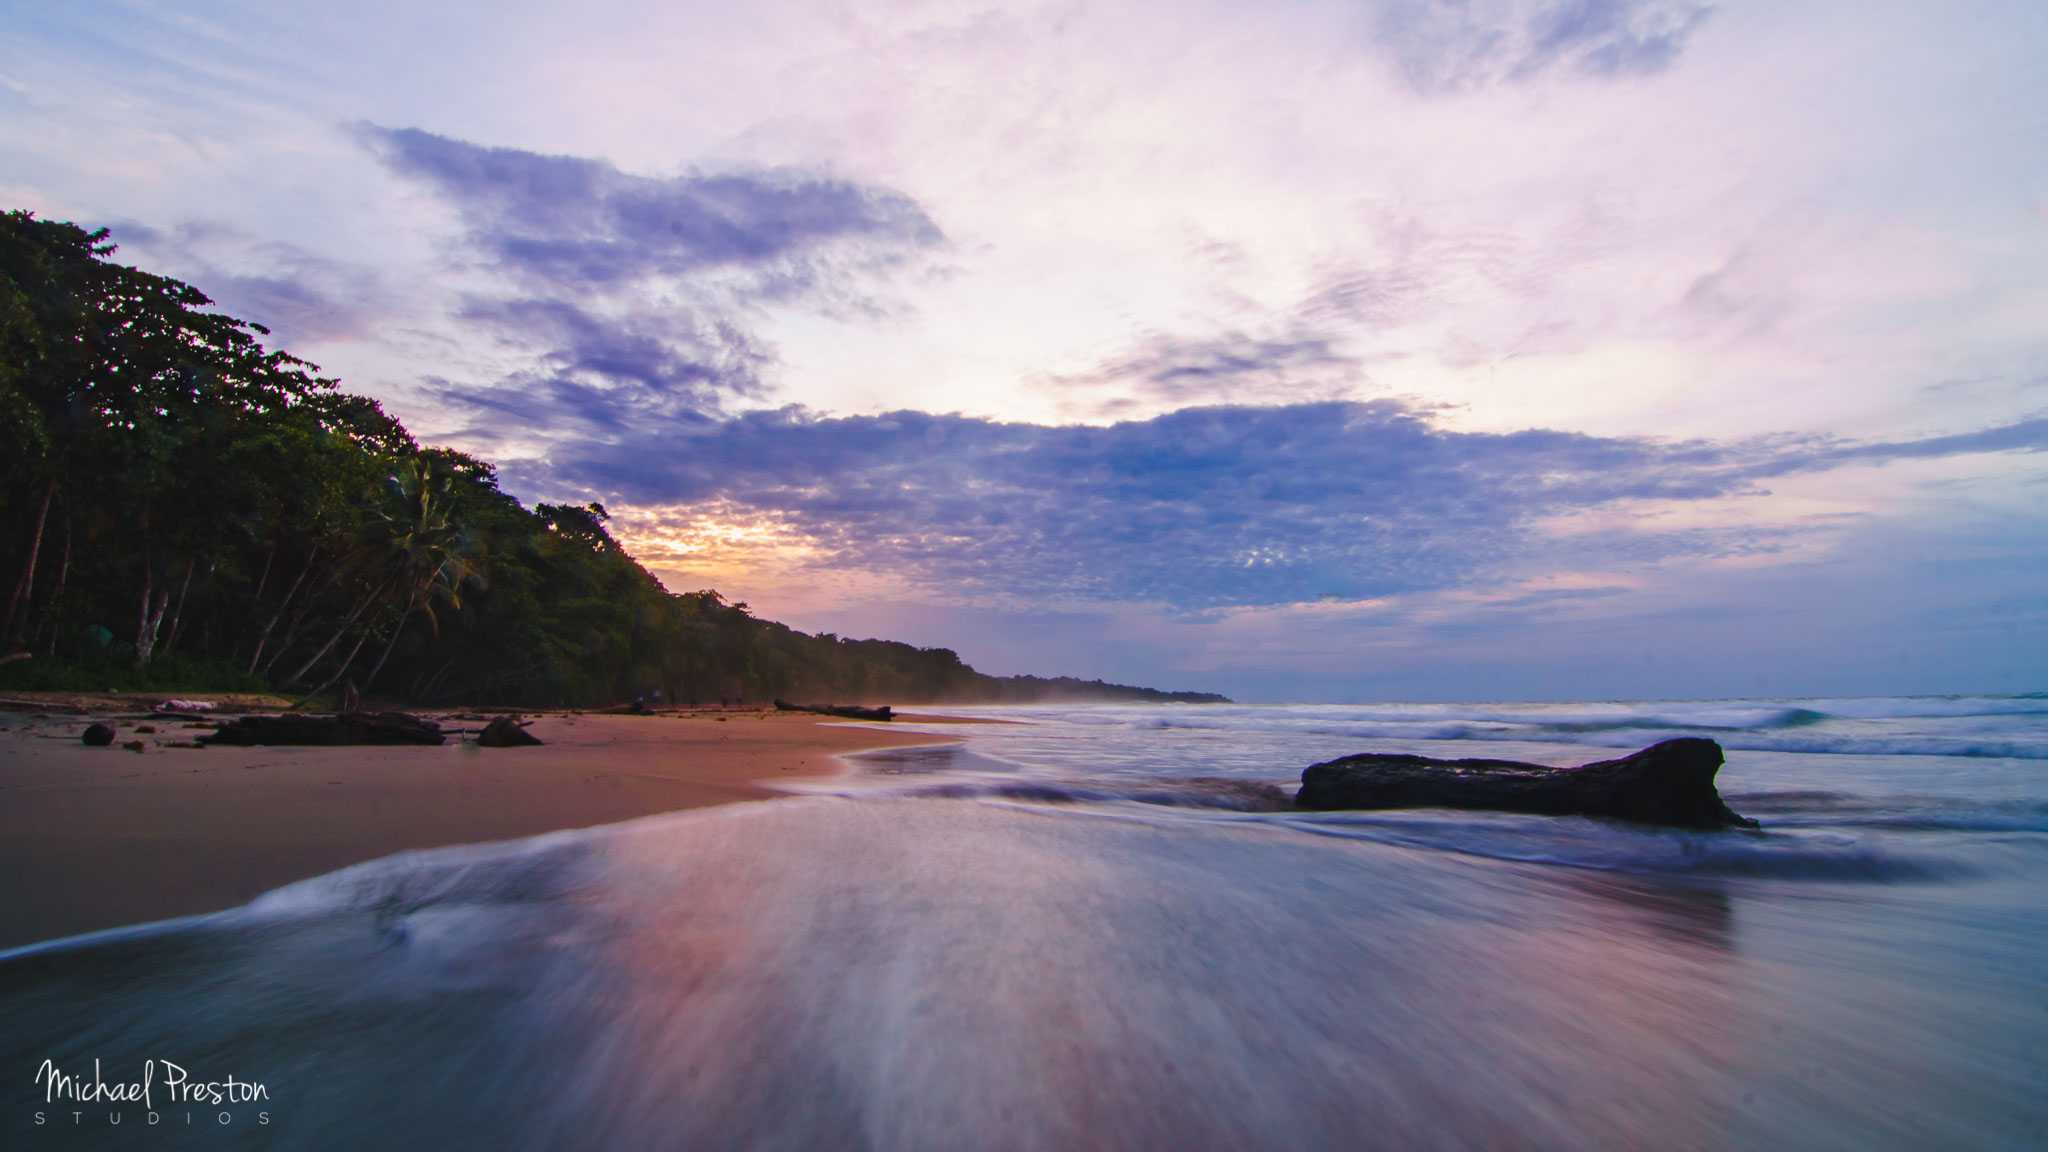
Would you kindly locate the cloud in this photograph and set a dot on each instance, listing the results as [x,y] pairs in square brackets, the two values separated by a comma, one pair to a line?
[2023,436]
[599,376]
[575,221]
[1445,46]
[1302,352]
[1378,296]
[300,296]
[636,299]
[1411,292]
[1198,509]
[1168,371]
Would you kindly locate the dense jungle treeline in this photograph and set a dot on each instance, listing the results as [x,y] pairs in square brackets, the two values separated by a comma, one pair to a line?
[187,508]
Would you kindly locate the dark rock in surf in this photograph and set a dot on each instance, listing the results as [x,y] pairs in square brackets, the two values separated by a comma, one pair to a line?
[97,735]
[506,732]
[355,728]
[1668,783]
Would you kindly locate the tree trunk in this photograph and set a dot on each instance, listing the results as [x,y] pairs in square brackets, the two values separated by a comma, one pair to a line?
[142,619]
[299,615]
[145,629]
[178,613]
[329,682]
[24,588]
[263,581]
[263,638]
[53,609]
[291,636]
[411,606]
[432,684]
[375,593]
[145,632]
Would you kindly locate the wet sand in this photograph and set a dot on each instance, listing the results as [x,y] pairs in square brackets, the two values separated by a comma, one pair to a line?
[94,838]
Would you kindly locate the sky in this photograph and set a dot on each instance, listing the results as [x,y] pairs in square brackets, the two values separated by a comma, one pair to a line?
[1373,350]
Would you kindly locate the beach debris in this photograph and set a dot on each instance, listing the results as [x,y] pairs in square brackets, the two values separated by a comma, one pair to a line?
[144,729]
[506,732]
[1671,782]
[845,711]
[132,745]
[186,706]
[97,735]
[355,728]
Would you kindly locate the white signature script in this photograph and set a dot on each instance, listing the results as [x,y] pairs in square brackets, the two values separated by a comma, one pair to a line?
[175,1082]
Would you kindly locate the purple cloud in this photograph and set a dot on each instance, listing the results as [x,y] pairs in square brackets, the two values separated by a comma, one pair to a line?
[1449,47]
[571,220]
[1195,509]
[607,277]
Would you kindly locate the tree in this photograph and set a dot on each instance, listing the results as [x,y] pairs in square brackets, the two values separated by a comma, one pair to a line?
[427,547]
[117,369]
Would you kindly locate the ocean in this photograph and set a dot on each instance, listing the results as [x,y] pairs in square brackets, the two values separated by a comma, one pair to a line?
[1102,928]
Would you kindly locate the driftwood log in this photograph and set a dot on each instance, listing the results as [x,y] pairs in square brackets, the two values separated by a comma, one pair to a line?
[355,728]
[1668,783]
[845,711]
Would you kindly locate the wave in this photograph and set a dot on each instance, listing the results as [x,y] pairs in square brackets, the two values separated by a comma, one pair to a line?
[1900,813]
[1603,846]
[1788,732]
[2004,727]
[1939,707]
[1797,854]
[1747,713]
[1810,834]
[1199,792]
[1968,748]
[534,871]
[117,935]
[1806,808]
[1779,718]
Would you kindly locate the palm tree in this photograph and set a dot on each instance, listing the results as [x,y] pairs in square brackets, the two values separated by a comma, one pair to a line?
[429,550]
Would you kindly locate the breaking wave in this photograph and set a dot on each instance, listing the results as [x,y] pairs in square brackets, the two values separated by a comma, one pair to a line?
[1989,727]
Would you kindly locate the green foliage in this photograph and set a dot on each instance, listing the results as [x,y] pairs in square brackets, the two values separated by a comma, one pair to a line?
[173,673]
[184,508]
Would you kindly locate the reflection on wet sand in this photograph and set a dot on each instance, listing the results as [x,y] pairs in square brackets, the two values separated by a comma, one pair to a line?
[959,970]
[1695,910]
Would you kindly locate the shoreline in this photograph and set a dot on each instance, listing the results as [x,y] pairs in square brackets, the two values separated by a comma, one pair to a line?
[103,839]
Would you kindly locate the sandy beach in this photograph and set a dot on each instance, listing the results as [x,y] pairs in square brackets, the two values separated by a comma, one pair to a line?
[94,838]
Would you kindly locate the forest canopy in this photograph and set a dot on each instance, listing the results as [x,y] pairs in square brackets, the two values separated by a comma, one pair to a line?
[185,506]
